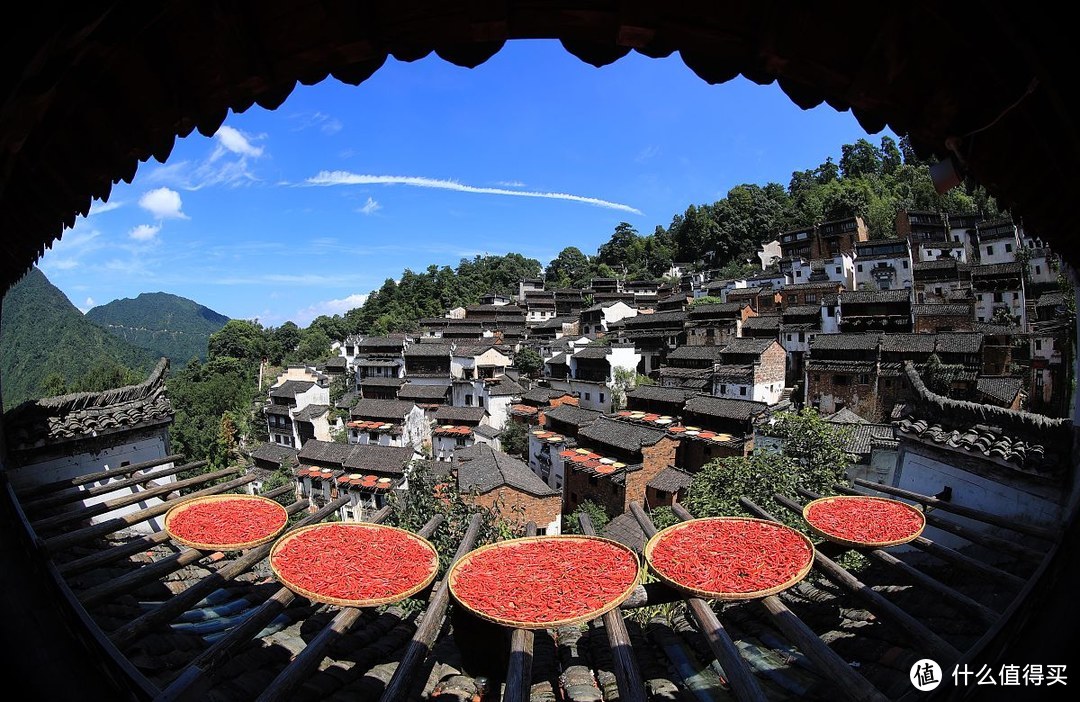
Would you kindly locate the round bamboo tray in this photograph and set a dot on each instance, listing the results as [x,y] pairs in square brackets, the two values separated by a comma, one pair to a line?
[863,544]
[650,546]
[455,573]
[342,602]
[223,546]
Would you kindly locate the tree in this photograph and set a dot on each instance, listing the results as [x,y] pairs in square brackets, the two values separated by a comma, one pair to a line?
[529,362]
[818,447]
[238,339]
[314,346]
[569,269]
[626,379]
[597,514]
[715,490]
[618,251]
[861,159]
[514,439]
[891,158]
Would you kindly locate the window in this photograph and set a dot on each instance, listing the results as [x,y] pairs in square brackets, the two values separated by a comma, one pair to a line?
[798,274]
[811,297]
[802,336]
[997,297]
[1038,344]
[789,337]
[839,269]
[601,397]
[541,531]
[1038,270]
[905,263]
[742,391]
[864,379]
[460,442]
[588,396]
[1008,248]
[989,250]
[479,401]
[723,389]
[468,400]
[373,437]
[1016,296]
[860,268]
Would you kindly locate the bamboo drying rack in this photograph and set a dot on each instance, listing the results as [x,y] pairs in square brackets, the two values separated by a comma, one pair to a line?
[863,544]
[224,546]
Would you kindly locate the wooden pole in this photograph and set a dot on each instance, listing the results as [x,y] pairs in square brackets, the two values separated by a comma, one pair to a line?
[519,669]
[169,610]
[74,495]
[429,628]
[45,488]
[627,674]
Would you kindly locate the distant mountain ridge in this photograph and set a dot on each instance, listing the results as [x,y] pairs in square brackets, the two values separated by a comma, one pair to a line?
[42,333]
[166,324]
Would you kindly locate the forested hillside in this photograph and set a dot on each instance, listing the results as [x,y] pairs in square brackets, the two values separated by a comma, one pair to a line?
[166,325]
[48,348]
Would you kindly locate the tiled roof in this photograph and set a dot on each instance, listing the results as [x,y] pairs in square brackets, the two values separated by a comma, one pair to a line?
[943,309]
[311,412]
[620,435]
[1050,299]
[846,416]
[85,414]
[913,343]
[733,373]
[802,310]
[542,396]
[372,458]
[696,353]
[765,321]
[450,415]
[325,451]
[1002,388]
[859,297]
[671,372]
[830,366]
[280,410]
[380,342]
[656,319]
[724,407]
[845,342]
[625,529]
[865,438]
[378,382]
[555,323]
[347,400]
[572,414]
[418,391]
[486,430]
[481,469]
[599,351]
[276,453]
[505,386]
[959,342]
[991,269]
[723,309]
[744,292]
[377,363]
[748,345]
[381,409]
[656,393]
[420,350]
[819,285]
[670,480]
[337,363]
[291,387]
[557,360]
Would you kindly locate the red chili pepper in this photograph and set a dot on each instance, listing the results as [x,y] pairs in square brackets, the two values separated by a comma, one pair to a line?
[865,520]
[730,556]
[544,580]
[228,521]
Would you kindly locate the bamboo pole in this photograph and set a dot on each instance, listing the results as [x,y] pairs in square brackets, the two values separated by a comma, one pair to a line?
[970,512]
[938,647]
[98,508]
[45,488]
[169,610]
[519,669]
[744,684]
[420,646]
[74,495]
[94,531]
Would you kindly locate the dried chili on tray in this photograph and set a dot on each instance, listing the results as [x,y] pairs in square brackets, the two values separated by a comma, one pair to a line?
[354,564]
[730,558]
[225,522]
[863,520]
[545,581]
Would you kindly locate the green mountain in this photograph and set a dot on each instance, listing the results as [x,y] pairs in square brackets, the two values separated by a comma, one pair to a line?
[43,335]
[167,325]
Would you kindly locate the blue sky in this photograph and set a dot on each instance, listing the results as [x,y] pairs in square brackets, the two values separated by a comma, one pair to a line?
[302,211]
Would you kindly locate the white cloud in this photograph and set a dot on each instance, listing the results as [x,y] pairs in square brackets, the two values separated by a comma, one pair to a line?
[370,207]
[325,123]
[330,308]
[163,203]
[347,178]
[647,153]
[237,142]
[510,183]
[88,305]
[144,232]
[64,264]
[99,207]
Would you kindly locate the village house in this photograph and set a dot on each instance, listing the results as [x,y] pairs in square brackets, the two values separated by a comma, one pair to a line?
[569,301]
[839,268]
[959,365]
[496,298]
[675,302]
[496,315]
[428,362]
[539,306]
[628,298]
[943,280]
[716,427]
[547,445]
[799,324]
[377,388]
[56,439]
[761,300]
[504,484]
[377,357]
[716,324]
[765,326]
[298,407]
[694,379]
[388,423]
[470,366]
[962,229]
[999,242]
[595,319]
[766,361]
[937,250]
[872,448]
[656,399]
[456,428]
[615,462]
[811,293]
[876,310]
[532,405]
[366,473]
[883,264]
[824,240]
[841,371]
[427,397]
[943,316]
[653,335]
[591,373]
[1001,391]
[555,328]
[1042,263]
[920,226]
[999,290]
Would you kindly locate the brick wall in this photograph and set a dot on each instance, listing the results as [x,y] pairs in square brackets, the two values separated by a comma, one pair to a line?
[581,486]
[934,323]
[654,459]
[520,507]
[831,395]
[692,455]
[773,366]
